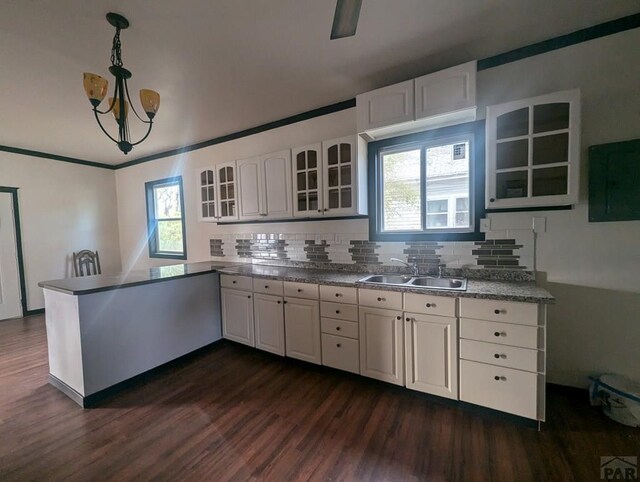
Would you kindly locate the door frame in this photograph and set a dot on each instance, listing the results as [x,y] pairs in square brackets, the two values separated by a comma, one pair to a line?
[16,223]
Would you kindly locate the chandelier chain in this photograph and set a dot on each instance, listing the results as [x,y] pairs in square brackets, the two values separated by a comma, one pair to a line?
[116,50]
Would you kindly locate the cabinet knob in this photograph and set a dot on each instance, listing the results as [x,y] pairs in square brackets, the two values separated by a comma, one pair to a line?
[338,345]
[249,296]
[382,299]
[338,295]
[319,210]
[299,290]
[408,319]
[279,302]
[492,200]
[399,317]
[337,328]
[499,333]
[429,305]
[266,287]
[285,302]
[234,282]
[337,312]
[498,355]
[498,378]
[326,209]
[497,312]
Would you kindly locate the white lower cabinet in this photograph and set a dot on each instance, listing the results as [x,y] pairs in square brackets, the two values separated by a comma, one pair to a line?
[269,323]
[302,329]
[431,355]
[237,316]
[340,352]
[381,344]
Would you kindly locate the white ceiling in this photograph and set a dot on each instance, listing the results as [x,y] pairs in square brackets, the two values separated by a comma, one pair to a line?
[227,65]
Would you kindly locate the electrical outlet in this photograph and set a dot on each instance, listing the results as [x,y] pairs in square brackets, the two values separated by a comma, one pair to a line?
[539,225]
[485,225]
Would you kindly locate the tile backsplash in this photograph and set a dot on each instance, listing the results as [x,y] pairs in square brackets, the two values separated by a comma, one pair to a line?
[514,252]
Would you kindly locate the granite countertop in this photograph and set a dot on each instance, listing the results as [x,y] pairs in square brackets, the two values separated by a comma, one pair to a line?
[94,284]
[524,291]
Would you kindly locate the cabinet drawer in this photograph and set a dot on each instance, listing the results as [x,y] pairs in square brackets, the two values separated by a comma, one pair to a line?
[236,282]
[341,294]
[342,353]
[268,286]
[504,389]
[389,300]
[502,333]
[339,327]
[502,355]
[301,290]
[497,310]
[339,311]
[429,304]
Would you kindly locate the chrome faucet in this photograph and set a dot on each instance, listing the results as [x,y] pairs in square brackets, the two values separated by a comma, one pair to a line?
[412,266]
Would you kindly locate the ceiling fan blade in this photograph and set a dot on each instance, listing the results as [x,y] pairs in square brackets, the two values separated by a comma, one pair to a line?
[345,20]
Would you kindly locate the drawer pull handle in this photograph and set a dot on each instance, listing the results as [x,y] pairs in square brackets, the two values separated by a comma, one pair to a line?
[299,290]
[338,345]
[382,299]
[498,355]
[431,305]
[338,295]
[234,282]
[337,312]
[500,333]
[498,378]
[266,287]
[337,328]
[497,312]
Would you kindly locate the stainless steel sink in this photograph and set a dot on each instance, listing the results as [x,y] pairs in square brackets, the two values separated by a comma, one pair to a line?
[441,283]
[427,282]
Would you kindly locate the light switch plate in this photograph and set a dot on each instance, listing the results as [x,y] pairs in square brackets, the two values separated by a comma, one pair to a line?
[485,225]
[539,225]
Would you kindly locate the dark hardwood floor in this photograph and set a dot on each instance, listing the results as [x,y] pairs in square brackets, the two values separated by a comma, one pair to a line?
[234,413]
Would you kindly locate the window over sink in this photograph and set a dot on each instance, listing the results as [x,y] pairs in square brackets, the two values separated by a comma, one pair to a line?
[428,186]
[165,218]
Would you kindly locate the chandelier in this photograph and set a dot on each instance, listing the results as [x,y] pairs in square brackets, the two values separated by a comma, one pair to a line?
[96,88]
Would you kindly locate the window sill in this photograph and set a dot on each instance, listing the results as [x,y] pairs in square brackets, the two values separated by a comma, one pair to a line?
[168,256]
[403,237]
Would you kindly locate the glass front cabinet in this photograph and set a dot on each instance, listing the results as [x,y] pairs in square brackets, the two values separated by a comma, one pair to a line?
[217,191]
[325,179]
[533,152]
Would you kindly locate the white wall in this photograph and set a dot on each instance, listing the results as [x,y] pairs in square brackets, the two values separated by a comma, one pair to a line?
[592,268]
[64,207]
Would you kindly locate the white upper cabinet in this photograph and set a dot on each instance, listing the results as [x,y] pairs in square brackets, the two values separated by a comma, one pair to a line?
[206,194]
[277,185]
[387,106]
[307,180]
[227,188]
[533,151]
[251,187]
[438,99]
[265,186]
[447,91]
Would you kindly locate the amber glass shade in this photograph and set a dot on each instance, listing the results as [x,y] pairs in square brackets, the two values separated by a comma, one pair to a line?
[150,101]
[116,108]
[95,87]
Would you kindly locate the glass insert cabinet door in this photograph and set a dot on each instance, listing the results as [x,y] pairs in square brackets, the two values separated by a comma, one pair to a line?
[307,181]
[227,188]
[533,150]
[207,196]
[339,157]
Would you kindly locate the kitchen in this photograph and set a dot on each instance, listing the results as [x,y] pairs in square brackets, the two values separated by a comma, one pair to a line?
[285,224]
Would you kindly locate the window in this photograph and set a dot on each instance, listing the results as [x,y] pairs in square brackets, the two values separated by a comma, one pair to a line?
[424,186]
[165,219]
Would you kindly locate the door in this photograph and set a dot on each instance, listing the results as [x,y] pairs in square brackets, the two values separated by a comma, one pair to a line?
[10,306]
[269,323]
[307,181]
[339,156]
[431,354]
[237,316]
[207,196]
[277,185]
[381,345]
[302,329]
[251,186]
[227,188]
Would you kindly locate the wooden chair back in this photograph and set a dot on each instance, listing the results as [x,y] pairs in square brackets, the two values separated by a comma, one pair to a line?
[86,263]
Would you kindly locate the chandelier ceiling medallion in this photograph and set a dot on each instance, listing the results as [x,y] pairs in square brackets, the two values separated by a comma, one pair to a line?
[96,88]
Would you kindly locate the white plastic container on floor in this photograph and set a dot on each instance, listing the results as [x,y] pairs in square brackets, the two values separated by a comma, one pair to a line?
[619,398]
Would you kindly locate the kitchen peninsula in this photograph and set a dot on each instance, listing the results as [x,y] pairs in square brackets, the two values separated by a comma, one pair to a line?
[103,330]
